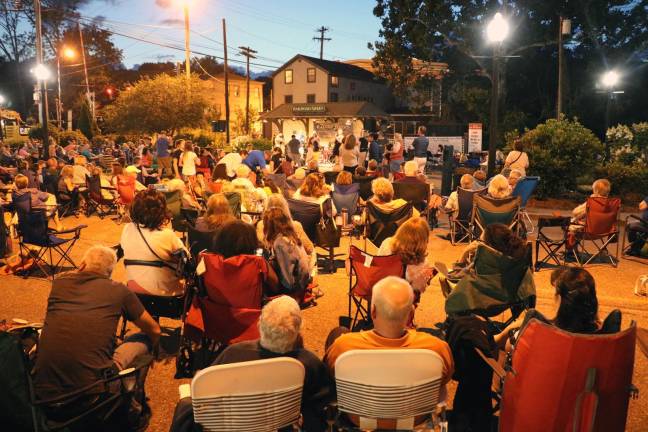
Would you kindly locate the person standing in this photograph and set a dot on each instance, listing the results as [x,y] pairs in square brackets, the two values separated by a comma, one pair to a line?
[349,154]
[189,160]
[163,155]
[395,154]
[421,144]
[293,150]
[374,147]
[517,158]
[364,148]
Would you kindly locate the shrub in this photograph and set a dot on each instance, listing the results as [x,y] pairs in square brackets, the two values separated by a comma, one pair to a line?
[256,143]
[629,181]
[37,132]
[559,152]
[66,136]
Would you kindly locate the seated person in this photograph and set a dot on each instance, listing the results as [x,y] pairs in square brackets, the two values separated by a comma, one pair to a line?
[383,196]
[218,212]
[499,188]
[313,190]
[279,328]
[600,189]
[452,205]
[252,198]
[412,174]
[80,171]
[144,176]
[343,182]
[372,169]
[479,179]
[514,176]
[67,190]
[39,200]
[188,199]
[25,168]
[134,172]
[392,310]
[638,230]
[77,344]
[312,166]
[148,238]
[279,202]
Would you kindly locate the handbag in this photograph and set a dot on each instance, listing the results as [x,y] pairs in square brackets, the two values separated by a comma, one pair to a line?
[327,233]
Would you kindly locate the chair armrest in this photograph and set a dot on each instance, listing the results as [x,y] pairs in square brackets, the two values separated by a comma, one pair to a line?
[184,390]
[76,229]
[637,218]
[110,188]
[497,368]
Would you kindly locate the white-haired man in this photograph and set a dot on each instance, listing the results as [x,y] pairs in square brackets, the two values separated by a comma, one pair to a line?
[77,345]
[392,308]
[279,328]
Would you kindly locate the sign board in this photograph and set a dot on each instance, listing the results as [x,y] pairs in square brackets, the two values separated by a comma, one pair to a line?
[309,109]
[455,142]
[474,137]
[326,130]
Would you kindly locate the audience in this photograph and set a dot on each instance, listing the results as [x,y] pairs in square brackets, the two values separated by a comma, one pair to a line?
[514,176]
[600,189]
[313,190]
[517,158]
[279,202]
[383,196]
[499,187]
[349,154]
[38,200]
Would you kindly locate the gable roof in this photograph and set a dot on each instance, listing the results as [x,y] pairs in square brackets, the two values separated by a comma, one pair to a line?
[334,68]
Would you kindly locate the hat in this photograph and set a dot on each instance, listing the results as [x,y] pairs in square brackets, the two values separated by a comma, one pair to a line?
[132,169]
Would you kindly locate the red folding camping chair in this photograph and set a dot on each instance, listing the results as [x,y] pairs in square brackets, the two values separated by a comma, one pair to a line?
[365,270]
[126,192]
[561,381]
[601,230]
[229,306]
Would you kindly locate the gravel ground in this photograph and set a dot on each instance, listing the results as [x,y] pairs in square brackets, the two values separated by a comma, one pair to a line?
[27,299]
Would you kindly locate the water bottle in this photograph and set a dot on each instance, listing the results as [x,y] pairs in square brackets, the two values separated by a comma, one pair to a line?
[345,217]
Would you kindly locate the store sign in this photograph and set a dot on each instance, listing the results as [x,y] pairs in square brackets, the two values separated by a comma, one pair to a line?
[474,137]
[309,109]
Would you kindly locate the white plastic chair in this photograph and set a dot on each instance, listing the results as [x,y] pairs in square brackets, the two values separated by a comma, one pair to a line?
[394,386]
[260,395]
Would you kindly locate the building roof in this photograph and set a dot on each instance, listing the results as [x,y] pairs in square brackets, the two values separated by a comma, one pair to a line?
[331,109]
[334,68]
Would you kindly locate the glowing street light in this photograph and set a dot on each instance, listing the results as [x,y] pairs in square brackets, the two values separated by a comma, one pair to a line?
[498,29]
[69,54]
[610,79]
[41,72]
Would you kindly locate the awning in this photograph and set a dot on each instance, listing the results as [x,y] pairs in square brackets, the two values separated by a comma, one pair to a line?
[325,110]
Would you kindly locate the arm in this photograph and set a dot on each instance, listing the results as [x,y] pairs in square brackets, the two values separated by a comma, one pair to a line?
[147,324]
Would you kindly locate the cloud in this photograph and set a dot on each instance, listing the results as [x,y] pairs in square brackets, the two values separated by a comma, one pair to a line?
[171,21]
[163,3]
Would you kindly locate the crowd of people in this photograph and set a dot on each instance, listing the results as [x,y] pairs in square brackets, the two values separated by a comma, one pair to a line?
[138,178]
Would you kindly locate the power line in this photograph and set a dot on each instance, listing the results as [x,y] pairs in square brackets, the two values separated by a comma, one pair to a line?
[322,30]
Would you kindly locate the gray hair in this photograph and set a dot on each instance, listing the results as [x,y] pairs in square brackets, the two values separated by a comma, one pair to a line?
[410,168]
[393,298]
[280,324]
[499,187]
[100,259]
[467,181]
[278,201]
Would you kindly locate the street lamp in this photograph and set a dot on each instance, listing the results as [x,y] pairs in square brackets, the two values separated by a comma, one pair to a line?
[42,74]
[68,53]
[609,81]
[496,32]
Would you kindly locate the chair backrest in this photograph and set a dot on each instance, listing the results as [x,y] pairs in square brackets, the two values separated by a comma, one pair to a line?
[602,215]
[347,201]
[382,224]
[524,188]
[50,183]
[379,385]
[174,205]
[22,202]
[126,188]
[199,241]
[487,210]
[234,199]
[234,292]
[365,186]
[370,269]
[294,184]
[231,397]
[306,213]
[547,386]
[417,194]
[94,186]
[465,202]
[220,172]
[32,227]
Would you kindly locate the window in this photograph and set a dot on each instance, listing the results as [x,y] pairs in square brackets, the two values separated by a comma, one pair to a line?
[288,99]
[237,90]
[334,97]
[334,81]
[288,76]
[310,98]
[352,86]
[310,75]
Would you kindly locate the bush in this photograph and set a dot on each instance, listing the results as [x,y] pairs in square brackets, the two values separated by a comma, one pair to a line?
[629,181]
[559,152]
[66,136]
[37,132]
[256,143]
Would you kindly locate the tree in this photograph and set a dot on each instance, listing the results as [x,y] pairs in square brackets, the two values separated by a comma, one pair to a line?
[85,123]
[154,104]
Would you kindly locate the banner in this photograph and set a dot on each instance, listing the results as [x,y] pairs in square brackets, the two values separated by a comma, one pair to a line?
[474,137]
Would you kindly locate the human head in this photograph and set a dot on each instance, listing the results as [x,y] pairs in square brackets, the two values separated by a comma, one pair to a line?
[499,187]
[517,145]
[300,174]
[514,176]
[411,241]
[67,171]
[52,163]
[188,146]
[80,160]
[372,165]
[236,238]
[501,238]
[382,189]
[398,137]
[218,211]
[360,171]
[344,178]
[411,169]
[313,166]
[292,136]
[277,223]
[243,171]
[467,181]
[279,325]
[601,187]
[21,181]
[117,169]
[99,259]
[392,302]
[313,186]
[479,175]
[350,142]
[149,210]
[278,201]
[578,309]
[176,185]
[422,130]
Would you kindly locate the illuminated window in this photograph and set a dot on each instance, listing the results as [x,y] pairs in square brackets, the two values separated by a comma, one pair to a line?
[310,75]
[288,76]
[334,81]
[310,98]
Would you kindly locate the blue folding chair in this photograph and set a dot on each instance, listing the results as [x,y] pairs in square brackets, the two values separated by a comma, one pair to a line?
[524,189]
[346,197]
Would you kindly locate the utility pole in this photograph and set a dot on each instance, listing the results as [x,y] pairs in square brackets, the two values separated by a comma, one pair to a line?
[322,30]
[227,107]
[187,48]
[494,110]
[42,84]
[85,74]
[248,53]
[564,28]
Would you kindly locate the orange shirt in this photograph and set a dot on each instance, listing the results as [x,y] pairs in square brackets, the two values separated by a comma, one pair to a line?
[372,340]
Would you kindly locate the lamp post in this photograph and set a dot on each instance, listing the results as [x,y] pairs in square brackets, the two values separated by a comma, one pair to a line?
[496,32]
[2,101]
[68,53]
[609,81]
[42,74]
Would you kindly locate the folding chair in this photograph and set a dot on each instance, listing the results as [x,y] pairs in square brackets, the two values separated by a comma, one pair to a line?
[417,194]
[96,201]
[234,200]
[347,198]
[585,388]
[279,180]
[551,245]
[367,270]
[50,183]
[260,395]
[199,241]
[390,389]
[601,230]
[487,211]
[330,177]
[381,224]
[365,186]
[460,229]
[293,186]
[33,230]
[174,205]
[641,232]
[524,189]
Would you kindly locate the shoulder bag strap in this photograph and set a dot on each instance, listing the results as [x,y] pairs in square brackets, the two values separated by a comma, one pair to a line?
[153,263]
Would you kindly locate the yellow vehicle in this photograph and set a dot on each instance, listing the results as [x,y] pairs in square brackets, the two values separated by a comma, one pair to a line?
[13,129]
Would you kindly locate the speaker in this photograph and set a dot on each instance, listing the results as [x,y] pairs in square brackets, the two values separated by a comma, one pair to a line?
[218,126]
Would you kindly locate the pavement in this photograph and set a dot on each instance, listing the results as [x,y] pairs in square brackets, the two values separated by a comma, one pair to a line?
[27,299]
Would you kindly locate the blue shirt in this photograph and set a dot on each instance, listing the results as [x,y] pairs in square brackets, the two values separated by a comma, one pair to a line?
[255,159]
[420,144]
[162,146]
[374,151]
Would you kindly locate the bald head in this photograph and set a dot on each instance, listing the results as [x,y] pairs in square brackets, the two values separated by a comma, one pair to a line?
[391,300]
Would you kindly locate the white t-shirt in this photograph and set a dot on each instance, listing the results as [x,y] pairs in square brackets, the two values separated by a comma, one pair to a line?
[518,160]
[189,161]
[415,274]
[160,281]
[232,161]
[349,158]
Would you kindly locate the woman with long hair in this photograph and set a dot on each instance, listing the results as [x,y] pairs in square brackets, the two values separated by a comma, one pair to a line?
[218,213]
[188,161]
[349,153]
[313,189]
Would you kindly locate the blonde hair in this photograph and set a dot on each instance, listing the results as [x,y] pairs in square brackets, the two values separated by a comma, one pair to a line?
[243,171]
[411,241]
[382,189]
[350,142]
[344,178]
[218,211]
[410,168]
[499,187]
[467,181]
[21,181]
[313,186]
[67,171]
[602,187]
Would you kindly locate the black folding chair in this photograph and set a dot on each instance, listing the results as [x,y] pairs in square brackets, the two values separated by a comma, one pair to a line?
[550,244]
[640,228]
[96,201]
[365,186]
[33,230]
[417,194]
[234,200]
[199,240]
[330,177]
[279,180]
[460,229]
[381,224]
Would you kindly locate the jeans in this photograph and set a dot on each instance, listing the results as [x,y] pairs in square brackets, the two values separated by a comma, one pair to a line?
[133,347]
